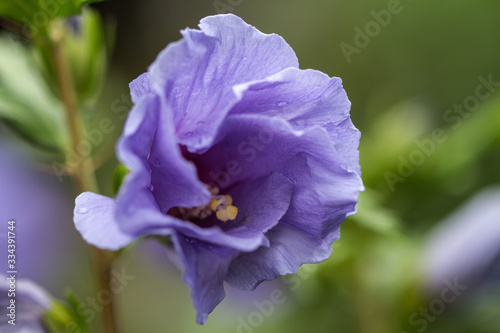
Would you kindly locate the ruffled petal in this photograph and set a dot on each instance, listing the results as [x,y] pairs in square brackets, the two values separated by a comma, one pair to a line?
[159,178]
[205,267]
[149,185]
[250,146]
[305,98]
[140,87]
[325,191]
[289,249]
[195,76]
[94,217]
[322,200]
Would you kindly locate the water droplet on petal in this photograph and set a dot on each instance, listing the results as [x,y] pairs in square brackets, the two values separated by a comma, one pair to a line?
[200,123]
[82,210]
[188,134]
[157,163]
[151,188]
[281,104]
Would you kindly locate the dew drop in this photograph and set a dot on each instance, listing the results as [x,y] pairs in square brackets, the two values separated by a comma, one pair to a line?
[281,104]
[188,134]
[83,210]
[151,188]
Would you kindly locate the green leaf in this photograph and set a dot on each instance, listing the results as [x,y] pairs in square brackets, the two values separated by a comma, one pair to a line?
[119,174]
[87,2]
[57,317]
[74,304]
[86,51]
[26,104]
[64,316]
[373,216]
[35,15]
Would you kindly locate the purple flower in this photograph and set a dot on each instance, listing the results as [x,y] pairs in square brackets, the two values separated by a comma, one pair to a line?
[248,163]
[25,306]
[466,244]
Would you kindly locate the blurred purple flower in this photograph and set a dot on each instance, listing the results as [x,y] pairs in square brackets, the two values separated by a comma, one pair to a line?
[42,209]
[466,245]
[248,163]
[30,302]
[75,24]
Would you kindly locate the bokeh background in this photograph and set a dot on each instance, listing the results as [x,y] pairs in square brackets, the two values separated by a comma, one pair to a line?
[423,252]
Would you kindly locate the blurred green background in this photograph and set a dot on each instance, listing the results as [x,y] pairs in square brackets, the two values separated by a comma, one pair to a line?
[403,85]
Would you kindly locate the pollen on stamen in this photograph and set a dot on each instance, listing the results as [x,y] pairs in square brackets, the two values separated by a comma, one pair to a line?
[222,205]
[221,202]
[214,204]
[224,210]
[232,212]
[227,214]
[222,215]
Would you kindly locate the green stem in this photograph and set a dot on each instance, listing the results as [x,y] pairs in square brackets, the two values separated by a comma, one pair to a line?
[83,172]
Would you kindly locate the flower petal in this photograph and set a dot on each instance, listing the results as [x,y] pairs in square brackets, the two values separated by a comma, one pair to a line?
[94,218]
[289,249]
[261,204]
[31,303]
[305,98]
[473,226]
[251,146]
[205,267]
[160,178]
[195,76]
[139,87]
[325,190]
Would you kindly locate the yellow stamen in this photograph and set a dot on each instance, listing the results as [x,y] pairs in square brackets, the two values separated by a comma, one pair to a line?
[223,206]
[232,211]
[214,204]
[222,215]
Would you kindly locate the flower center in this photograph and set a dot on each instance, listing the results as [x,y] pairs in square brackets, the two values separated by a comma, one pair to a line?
[222,205]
